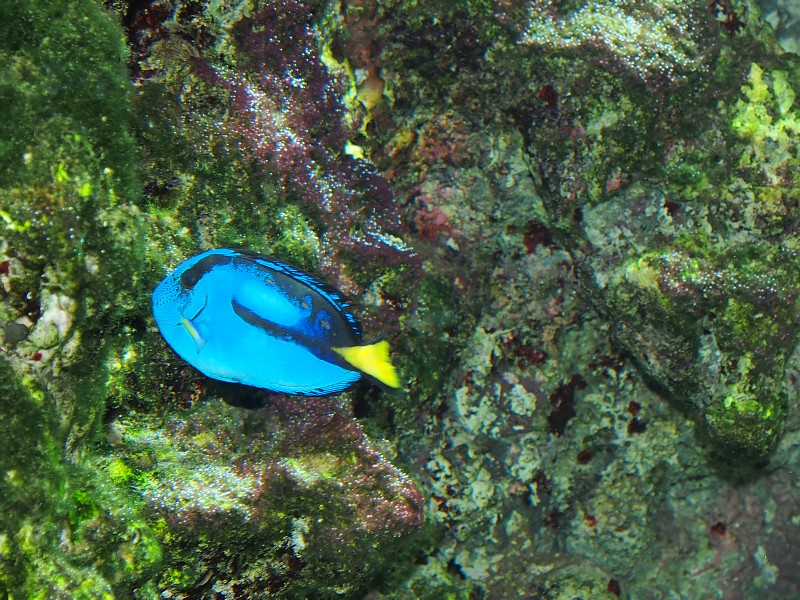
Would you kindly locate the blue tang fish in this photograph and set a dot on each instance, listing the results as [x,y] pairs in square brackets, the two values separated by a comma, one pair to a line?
[242,317]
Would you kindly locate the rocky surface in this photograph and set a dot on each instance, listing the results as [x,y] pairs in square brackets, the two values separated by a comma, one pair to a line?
[575,224]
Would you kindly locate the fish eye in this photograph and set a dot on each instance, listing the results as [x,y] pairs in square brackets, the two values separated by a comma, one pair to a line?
[190,277]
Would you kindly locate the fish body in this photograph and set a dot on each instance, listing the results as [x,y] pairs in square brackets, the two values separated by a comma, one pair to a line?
[243,317]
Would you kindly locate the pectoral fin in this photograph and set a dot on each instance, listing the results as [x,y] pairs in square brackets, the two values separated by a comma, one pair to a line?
[194,332]
[372,359]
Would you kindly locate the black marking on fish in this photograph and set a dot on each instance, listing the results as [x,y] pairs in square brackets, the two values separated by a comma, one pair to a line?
[327,292]
[191,276]
[319,348]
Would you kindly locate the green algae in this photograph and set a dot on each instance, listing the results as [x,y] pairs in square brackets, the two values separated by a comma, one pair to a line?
[66,529]
[72,242]
[226,484]
[435,329]
[711,342]
[67,172]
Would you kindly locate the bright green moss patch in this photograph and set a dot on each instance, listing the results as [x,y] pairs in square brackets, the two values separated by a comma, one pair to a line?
[766,120]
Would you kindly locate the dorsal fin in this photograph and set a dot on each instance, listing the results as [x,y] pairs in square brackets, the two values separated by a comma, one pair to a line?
[330,293]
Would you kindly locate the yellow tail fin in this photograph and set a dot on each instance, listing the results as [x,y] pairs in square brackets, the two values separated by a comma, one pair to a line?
[372,359]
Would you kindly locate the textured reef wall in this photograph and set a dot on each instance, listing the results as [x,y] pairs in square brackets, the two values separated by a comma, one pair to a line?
[575,222]
[614,426]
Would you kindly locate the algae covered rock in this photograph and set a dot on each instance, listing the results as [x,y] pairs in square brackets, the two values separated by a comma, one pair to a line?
[643,253]
[674,188]
[650,176]
[65,530]
[72,246]
[69,256]
[719,338]
[291,500]
[661,142]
